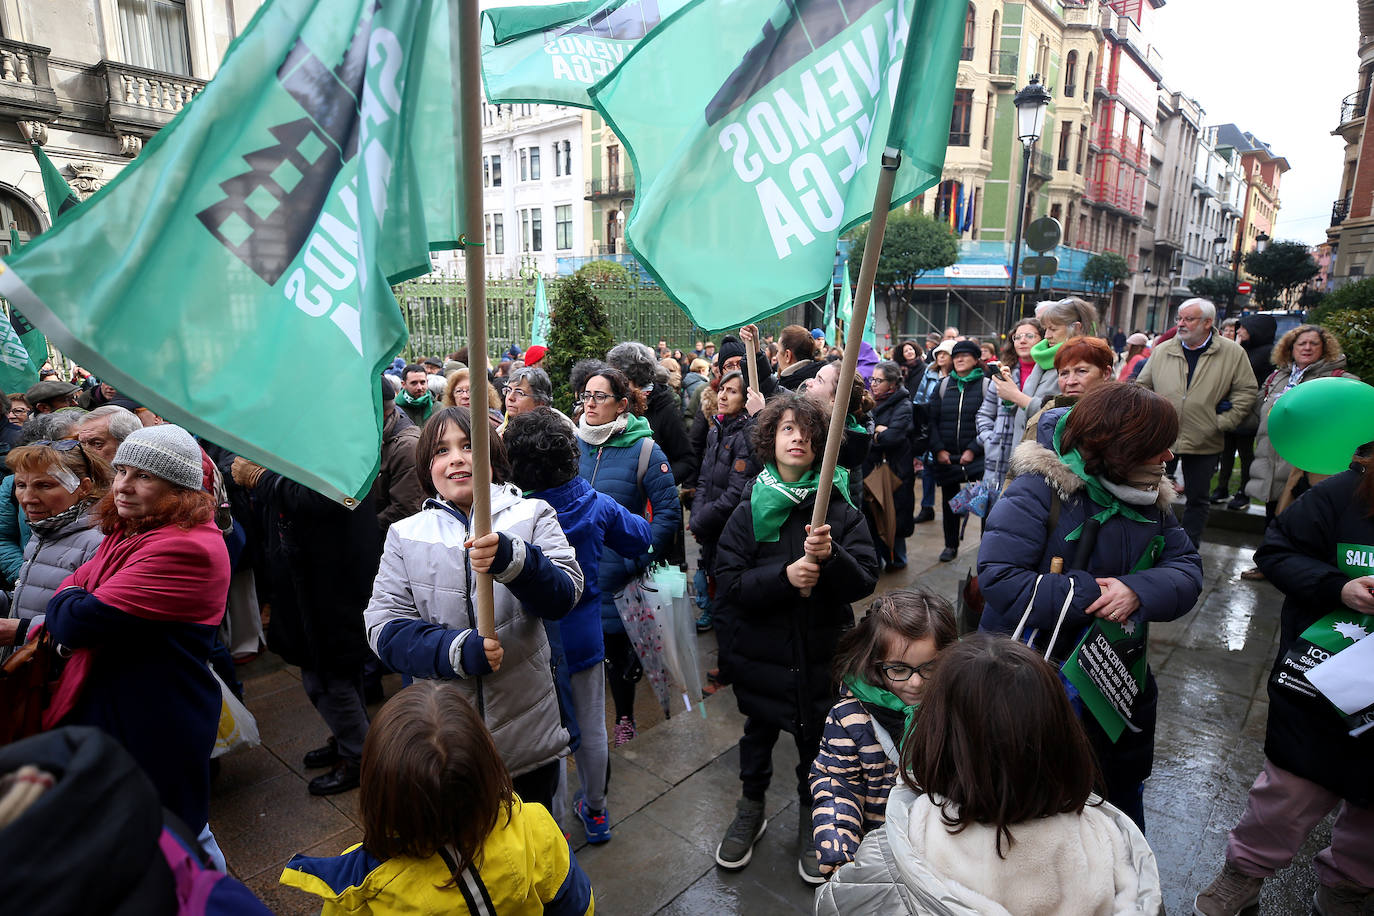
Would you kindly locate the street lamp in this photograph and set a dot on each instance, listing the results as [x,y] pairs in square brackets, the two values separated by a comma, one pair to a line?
[620,231]
[1031,104]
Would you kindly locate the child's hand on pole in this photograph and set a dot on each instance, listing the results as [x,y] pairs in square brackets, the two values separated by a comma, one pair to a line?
[482,551]
[804,573]
[818,544]
[494,652]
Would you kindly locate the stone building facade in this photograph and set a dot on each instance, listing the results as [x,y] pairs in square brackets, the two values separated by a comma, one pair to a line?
[1352,214]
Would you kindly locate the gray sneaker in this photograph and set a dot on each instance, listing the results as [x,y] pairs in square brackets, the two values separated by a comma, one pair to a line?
[744,831]
[808,863]
[1346,900]
[1232,892]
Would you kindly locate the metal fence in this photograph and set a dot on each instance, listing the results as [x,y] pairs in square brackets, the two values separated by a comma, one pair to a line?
[435,310]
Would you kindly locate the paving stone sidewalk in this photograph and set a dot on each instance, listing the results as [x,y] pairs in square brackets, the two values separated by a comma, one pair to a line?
[674,787]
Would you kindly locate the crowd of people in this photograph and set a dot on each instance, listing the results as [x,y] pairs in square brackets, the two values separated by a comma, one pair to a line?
[981,764]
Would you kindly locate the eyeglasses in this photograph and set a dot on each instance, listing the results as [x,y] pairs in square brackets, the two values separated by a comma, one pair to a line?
[600,397]
[896,671]
[518,393]
[60,445]
[463,390]
[1020,337]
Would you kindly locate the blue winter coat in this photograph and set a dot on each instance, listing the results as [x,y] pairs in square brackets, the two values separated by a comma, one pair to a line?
[590,519]
[14,532]
[612,469]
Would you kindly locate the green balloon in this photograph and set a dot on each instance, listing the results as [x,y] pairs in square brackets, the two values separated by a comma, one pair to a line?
[1318,425]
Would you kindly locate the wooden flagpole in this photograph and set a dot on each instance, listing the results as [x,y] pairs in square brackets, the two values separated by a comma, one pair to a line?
[464,19]
[844,384]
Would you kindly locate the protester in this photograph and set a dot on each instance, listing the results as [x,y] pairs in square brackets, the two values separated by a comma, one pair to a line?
[954,435]
[858,422]
[1312,765]
[621,459]
[693,383]
[1210,383]
[415,398]
[140,618]
[104,428]
[796,357]
[1137,351]
[51,396]
[396,492]
[674,370]
[1255,334]
[883,666]
[891,447]
[422,621]
[544,460]
[782,642]
[1059,320]
[662,407]
[1098,501]
[907,356]
[997,428]
[444,828]
[1081,364]
[19,409]
[940,365]
[526,390]
[996,811]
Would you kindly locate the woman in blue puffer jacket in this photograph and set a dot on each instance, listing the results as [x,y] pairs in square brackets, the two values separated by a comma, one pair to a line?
[1099,501]
[620,459]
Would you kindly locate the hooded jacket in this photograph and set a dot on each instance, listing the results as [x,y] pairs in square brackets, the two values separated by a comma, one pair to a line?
[1089,864]
[1269,472]
[1223,373]
[422,612]
[728,466]
[1259,346]
[396,490]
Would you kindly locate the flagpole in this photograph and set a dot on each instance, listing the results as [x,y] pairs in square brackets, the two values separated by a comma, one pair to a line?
[751,361]
[844,384]
[465,36]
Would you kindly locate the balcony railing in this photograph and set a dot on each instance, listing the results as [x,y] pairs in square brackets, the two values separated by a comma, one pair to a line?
[25,84]
[1042,164]
[1352,107]
[1340,210]
[1003,65]
[140,101]
[611,187]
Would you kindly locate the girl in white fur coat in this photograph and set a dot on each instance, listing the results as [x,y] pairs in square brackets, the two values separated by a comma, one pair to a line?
[1008,823]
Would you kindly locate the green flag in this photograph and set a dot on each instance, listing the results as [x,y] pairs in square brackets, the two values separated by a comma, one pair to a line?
[846,295]
[60,195]
[756,129]
[261,230]
[847,304]
[556,53]
[539,331]
[829,321]
[871,327]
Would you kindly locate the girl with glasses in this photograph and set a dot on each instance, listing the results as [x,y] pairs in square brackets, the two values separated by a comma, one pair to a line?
[883,665]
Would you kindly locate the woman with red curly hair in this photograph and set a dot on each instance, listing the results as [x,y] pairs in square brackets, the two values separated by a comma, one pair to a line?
[140,618]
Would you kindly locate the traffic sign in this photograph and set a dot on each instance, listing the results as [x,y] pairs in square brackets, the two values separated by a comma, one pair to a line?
[1243,288]
[1043,234]
[1043,266]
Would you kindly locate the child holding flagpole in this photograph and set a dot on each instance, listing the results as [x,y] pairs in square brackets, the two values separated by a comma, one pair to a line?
[782,644]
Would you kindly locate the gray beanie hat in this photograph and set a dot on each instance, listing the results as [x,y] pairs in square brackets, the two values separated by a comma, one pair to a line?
[164,451]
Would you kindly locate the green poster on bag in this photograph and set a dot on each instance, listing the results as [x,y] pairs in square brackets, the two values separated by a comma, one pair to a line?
[263,227]
[757,129]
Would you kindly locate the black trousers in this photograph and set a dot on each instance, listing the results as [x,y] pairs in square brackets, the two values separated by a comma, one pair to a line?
[756,756]
[1197,483]
[948,519]
[1245,446]
[623,672]
[538,785]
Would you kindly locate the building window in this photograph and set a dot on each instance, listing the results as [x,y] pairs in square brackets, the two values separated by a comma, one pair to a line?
[1082,147]
[1065,131]
[532,229]
[1088,77]
[987,120]
[496,171]
[496,233]
[562,227]
[970,32]
[154,35]
[562,158]
[944,201]
[612,167]
[534,163]
[960,117]
[1070,72]
[524,165]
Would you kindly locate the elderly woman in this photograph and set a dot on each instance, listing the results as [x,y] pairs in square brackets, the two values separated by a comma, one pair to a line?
[1097,501]
[997,416]
[141,617]
[526,389]
[55,484]
[458,391]
[1059,320]
[1081,364]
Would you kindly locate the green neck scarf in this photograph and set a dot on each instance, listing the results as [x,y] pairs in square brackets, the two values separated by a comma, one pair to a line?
[962,380]
[773,499]
[636,428]
[426,401]
[877,696]
[1043,354]
[1096,491]
[852,424]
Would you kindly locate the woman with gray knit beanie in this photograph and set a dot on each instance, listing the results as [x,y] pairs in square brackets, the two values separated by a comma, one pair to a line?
[140,618]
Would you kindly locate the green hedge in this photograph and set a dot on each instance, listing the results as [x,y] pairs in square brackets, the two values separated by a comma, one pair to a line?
[1355,330]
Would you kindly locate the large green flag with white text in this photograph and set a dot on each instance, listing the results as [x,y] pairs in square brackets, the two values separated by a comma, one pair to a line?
[555,53]
[756,130]
[253,242]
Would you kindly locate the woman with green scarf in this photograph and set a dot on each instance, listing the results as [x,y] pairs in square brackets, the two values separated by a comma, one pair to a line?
[784,590]
[954,441]
[1096,499]
[1060,320]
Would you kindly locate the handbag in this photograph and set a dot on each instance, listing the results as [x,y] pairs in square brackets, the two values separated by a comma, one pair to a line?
[27,679]
[972,497]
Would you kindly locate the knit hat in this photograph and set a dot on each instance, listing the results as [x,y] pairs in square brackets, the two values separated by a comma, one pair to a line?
[535,353]
[1137,340]
[945,346]
[164,451]
[967,348]
[730,347]
[388,393]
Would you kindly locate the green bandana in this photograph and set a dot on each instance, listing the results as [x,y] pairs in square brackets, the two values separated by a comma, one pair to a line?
[962,380]
[1043,354]
[636,428]
[877,696]
[852,424]
[1096,492]
[772,499]
[427,401]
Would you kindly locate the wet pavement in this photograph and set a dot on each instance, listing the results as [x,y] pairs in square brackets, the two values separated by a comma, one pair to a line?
[674,787]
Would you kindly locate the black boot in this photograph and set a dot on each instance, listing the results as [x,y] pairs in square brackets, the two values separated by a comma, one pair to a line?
[344,776]
[321,757]
[927,514]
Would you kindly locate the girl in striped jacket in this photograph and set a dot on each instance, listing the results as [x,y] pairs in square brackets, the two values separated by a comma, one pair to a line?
[883,664]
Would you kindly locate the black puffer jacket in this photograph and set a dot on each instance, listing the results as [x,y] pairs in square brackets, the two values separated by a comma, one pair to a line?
[728,466]
[1260,346]
[664,413]
[954,428]
[893,444]
[1305,735]
[781,645]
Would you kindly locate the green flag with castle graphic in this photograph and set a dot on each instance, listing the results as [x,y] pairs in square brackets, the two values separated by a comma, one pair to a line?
[262,229]
[756,130]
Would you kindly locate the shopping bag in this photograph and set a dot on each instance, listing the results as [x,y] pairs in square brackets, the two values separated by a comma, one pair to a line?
[972,497]
[237,727]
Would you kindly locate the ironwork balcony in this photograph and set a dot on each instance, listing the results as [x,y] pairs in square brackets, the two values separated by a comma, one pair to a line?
[139,101]
[1002,67]
[614,186]
[1352,107]
[1042,165]
[1340,210]
[26,91]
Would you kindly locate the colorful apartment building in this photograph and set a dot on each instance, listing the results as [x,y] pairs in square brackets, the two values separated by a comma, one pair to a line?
[1352,214]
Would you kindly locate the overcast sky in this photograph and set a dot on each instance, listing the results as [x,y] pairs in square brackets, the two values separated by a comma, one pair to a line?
[1279,69]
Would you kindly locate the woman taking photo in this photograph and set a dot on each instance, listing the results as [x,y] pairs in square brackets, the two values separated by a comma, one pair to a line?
[1098,502]
[997,416]
[620,459]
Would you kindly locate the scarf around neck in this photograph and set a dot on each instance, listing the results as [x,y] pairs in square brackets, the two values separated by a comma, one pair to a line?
[426,401]
[47,527]
[962,380]
[1102,492]
[1043,354]
[772,499]
[599,435]
[865,692]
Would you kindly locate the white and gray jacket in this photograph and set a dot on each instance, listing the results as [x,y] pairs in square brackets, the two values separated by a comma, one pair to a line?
[422,613]
[48,560]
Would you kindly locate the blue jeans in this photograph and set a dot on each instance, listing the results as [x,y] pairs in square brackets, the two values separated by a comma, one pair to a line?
[928,487]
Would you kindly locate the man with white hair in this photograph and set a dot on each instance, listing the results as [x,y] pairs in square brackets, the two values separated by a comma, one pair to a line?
[1210,383]
[104,428]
